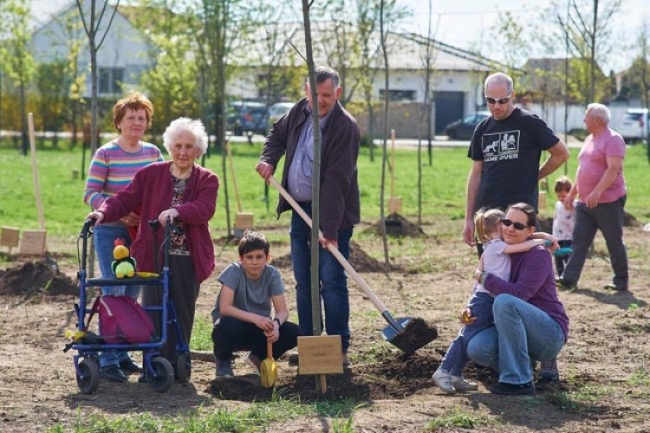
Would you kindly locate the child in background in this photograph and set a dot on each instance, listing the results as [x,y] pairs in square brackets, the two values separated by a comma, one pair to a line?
[242,313]
[488,223]
[563,222]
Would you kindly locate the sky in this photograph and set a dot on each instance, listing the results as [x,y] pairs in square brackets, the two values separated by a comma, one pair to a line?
[462,23]
[465,23]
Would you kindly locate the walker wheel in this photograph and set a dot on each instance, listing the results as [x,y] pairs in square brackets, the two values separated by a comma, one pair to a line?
[163,375]
[88,375]
[183,368]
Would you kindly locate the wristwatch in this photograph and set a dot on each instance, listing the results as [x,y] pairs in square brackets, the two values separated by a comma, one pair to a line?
[278,320]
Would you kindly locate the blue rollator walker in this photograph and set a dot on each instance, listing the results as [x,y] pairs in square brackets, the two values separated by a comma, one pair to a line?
[157,370]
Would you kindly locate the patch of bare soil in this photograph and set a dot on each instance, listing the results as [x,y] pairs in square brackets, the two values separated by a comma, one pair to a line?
[603,368]
[36,278]
[359,260]
[397,226]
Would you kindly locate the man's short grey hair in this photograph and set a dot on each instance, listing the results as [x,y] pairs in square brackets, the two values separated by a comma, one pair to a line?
[599,111]
[324,73]
[499,78]
[195,127]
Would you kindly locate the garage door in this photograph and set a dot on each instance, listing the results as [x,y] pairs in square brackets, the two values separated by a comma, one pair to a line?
[449,108]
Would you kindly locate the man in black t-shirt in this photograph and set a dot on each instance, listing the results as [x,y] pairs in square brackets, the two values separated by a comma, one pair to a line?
[506,149]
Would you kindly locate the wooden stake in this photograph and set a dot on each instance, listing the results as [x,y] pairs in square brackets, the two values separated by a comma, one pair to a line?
[37,187]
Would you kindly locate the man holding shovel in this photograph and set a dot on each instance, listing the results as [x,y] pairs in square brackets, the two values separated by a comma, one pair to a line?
[293,136]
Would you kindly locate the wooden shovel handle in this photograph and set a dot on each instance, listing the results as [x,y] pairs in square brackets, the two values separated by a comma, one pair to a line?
[269,349]
[332,249]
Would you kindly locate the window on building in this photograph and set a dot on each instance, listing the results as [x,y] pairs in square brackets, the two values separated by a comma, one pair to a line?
[110,80]
[399,95]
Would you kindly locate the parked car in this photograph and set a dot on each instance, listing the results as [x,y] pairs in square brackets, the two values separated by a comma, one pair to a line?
[462,129]
[247,116]
[276,111]
[634,126]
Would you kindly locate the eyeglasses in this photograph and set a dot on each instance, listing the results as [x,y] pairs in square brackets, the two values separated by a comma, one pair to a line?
[501,101]
[518,226]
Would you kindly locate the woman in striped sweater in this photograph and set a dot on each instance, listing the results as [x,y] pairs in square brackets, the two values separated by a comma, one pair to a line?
[112,168]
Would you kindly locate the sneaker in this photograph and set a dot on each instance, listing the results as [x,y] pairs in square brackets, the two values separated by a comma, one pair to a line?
[463,385]
[612,286]
[254,362]
[548,372]
[113,373]
[346,360]
[444,381]
[563,284]
[502,388]
[129,366]
[224,368]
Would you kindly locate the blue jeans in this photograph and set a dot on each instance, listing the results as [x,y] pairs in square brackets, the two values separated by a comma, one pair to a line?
[333,281]
[608,218]
[521,333]
[104,244]
[456,358]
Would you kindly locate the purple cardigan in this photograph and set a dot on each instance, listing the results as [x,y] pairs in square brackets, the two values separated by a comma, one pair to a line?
[151,192]
[532,279]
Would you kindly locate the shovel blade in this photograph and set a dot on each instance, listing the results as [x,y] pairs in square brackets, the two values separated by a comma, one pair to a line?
[415,334]
[268,373]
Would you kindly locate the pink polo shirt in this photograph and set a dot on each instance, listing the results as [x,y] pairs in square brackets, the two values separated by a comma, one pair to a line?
[593,163]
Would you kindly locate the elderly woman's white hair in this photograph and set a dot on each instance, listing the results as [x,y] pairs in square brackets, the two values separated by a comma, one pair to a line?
[599,111]
[195,127]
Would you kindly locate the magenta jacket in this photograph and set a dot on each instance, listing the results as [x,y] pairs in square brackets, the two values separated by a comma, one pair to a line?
[151,192]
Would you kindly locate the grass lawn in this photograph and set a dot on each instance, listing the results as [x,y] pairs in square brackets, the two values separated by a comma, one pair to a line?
[443,187]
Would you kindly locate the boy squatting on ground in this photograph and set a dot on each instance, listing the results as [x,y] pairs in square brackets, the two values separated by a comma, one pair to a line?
[242,313]
[448,377]
[563,221]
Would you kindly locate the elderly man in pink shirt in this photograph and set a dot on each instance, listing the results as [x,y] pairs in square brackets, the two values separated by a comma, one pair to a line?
[601,192]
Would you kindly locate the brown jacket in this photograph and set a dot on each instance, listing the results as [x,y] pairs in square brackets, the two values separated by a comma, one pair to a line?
[339,188]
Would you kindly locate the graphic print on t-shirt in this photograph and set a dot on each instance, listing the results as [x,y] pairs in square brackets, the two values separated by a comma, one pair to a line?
[500,146]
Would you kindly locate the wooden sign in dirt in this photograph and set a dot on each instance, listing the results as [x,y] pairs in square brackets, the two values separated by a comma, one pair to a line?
[320,355]
[33,242]
[243,221]
[9,237]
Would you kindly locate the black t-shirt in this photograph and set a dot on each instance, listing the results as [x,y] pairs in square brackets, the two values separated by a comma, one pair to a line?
[510,150]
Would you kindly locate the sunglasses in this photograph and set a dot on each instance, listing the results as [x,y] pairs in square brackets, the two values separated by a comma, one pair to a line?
[501,101]
[518,226]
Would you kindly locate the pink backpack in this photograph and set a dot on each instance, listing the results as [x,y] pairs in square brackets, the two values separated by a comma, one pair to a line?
[123,320]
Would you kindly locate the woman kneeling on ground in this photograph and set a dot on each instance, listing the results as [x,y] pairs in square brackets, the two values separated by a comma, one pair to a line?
[530,322]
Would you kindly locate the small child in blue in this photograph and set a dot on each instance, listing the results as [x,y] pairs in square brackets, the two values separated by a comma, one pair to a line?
[448,377]
[563,221]
[250,290]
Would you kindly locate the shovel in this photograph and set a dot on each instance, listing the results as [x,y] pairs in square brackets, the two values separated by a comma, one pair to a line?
[268,369]
[406,333]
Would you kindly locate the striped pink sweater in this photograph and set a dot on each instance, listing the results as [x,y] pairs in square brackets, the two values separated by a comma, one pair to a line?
[112,169]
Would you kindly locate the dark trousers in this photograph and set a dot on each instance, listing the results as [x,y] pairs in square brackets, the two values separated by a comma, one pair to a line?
[183,292]
[608,218]
[233,335]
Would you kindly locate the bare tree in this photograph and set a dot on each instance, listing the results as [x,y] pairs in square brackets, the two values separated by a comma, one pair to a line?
[17,61]
[383,34]
[93,17]
[428,56]
[315,188]
[588,29]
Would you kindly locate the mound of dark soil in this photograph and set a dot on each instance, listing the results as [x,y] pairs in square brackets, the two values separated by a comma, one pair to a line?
[359,260]
[397,226]
[35,278]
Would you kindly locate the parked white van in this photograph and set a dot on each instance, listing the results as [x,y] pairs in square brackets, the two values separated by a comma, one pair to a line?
[634,126]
